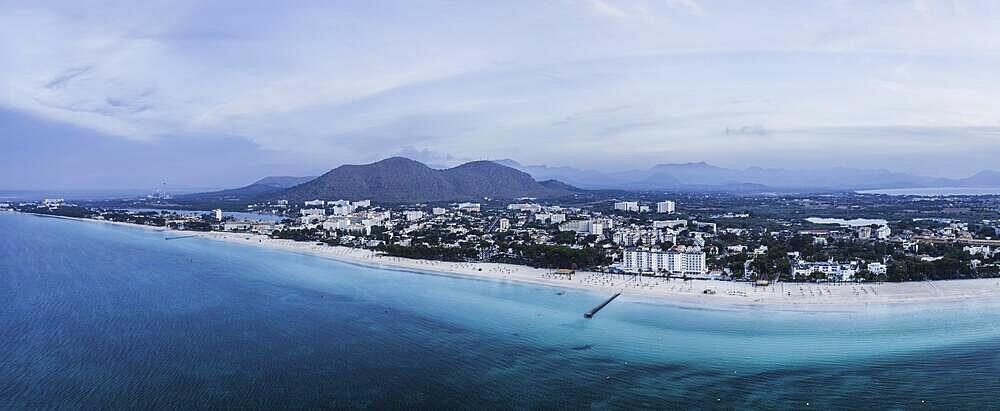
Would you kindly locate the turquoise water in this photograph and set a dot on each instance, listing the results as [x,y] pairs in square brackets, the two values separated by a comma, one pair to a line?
[102,316]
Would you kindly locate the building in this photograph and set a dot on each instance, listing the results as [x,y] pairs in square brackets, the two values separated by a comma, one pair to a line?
[504,224]
[312,211]
[597,228]
[469,207]
[670,224]
[832,270]
[217,214]
[627,238]
[362,203]
[337,223]
[315,203]
[864,232]
[554,218]
[664,262]
[878,268]
[438,211]
[343,210]
[236,226]
[534,208]
[413,215]
[714,228]
[627,206]
[883,232]
[311,219]
[665,207]
[978,249]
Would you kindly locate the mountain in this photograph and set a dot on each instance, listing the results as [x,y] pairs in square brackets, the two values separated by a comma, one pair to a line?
[282,181]
[987,178]
[701,176]
[401,180]
[258,188]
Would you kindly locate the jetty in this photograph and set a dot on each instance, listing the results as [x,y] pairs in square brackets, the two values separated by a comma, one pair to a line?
[590,314]
[179,237]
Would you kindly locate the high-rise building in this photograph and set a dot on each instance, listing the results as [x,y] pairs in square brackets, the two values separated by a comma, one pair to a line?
[627,206]
[664,262]
[665,207]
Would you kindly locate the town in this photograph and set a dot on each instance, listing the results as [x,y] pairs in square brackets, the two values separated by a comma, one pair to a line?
[757,238]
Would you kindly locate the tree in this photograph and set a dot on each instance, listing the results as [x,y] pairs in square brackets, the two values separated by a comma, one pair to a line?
[818,276]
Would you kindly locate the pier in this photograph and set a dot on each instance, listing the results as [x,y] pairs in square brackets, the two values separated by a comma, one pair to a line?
[179,237]
[590,314]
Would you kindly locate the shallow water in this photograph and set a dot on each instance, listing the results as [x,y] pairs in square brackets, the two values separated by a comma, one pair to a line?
[96,315]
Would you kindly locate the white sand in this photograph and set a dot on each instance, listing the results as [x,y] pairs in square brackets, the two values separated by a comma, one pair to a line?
[789,295]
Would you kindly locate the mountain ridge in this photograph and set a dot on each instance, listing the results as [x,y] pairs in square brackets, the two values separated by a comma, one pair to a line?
[702,175]
[402,180]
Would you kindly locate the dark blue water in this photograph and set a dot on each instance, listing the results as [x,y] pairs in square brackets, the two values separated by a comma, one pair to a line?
[101,316]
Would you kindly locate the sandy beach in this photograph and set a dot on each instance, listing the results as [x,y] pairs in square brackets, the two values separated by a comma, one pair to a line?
[783,295]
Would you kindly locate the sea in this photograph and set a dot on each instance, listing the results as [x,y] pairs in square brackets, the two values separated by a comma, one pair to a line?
[101,316]
[937,191]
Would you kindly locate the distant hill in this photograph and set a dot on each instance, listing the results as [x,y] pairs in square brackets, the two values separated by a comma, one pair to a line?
[987,178]
[401,180]
[282,181]
[701,176]
[258,188]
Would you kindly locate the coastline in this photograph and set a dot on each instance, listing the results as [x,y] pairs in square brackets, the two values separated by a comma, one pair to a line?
[738,295]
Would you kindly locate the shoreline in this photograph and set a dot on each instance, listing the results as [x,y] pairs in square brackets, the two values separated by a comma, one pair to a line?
[728,294]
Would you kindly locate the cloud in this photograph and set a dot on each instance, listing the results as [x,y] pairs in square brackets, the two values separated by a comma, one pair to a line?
[605,9]
[432,158]
[557,82]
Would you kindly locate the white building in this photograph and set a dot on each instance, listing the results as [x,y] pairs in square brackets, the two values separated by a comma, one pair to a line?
[664,262]
[596,228]
[627,206]
[236,226]
[833,270]
[312,211]
[217,213]
[670,223]
[362,203]
[883,232]
[311,218]
[315,203]
[978,249]
[551,218]
[438,211]
[878,268]
[504,224]
[626,238]
[534,208]
[470,207]
[665,207]
[343,210]
[337,223]
[864,232]
[413,215]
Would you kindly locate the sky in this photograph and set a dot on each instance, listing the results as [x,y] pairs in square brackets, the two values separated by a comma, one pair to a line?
[219,93]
